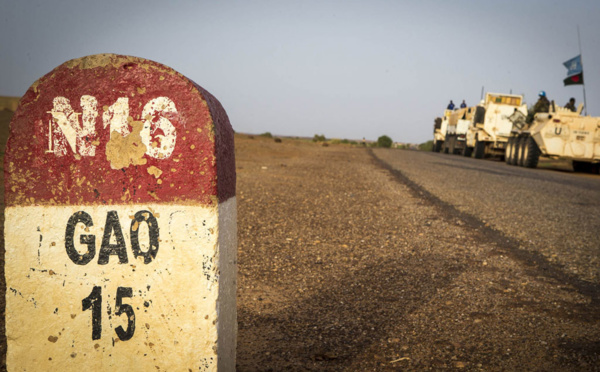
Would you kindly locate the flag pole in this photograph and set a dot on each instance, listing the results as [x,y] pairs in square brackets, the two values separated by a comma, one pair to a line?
[581,59]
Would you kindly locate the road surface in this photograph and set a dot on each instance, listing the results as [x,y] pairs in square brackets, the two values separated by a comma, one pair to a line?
[547,215]
[355,259]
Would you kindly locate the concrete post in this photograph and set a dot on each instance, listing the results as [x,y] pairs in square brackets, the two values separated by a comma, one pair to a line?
[120,226]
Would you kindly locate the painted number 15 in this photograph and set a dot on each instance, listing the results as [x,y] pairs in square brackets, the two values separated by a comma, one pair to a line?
[94,302]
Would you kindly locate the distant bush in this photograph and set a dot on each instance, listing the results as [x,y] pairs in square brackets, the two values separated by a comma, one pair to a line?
[267,134]
[277,139]
[427,146]
[319,138]
[353,143]
[384,141]
[345,141]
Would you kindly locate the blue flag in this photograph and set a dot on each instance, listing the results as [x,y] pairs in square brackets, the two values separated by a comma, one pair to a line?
[574,66]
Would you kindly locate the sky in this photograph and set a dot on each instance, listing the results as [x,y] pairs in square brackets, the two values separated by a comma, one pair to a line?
[344,69]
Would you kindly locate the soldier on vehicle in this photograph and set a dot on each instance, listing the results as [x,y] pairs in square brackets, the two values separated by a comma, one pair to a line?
[451,105]
[463,104]
[571,105]
[542,105]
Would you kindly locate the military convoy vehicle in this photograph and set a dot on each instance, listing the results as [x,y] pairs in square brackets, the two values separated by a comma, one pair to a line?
[450,131]
[498,126]
[558,134]
[490,127]
[483,129]
[459,122]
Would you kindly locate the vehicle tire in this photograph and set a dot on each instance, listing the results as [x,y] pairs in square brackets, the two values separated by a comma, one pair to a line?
[521,151]
[437,147]
[446,144]
[514,151]
[479,149]
[507,152]
[467,151]
[582,166]
[531,153]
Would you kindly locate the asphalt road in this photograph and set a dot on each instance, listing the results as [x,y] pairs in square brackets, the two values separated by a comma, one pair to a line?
[358,259]
[545,215]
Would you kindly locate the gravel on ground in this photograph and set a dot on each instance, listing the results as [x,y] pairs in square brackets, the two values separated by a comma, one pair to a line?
[345,265]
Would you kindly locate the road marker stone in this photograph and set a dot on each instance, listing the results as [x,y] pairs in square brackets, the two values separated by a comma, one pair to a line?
[120,227]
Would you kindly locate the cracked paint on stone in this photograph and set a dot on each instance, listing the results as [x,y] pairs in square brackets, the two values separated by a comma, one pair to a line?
[120,227]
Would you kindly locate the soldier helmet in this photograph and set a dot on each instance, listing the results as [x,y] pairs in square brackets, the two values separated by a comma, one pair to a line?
[542,93]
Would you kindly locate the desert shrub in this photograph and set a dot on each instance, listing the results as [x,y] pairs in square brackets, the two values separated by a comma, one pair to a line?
[267,135]
[427,146]
[319,138]
[384,141]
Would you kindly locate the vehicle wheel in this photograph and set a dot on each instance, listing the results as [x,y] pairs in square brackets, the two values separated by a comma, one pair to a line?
[446,144]
[508,150]
[467,151]
[479,149]
[521,151]
[582,166]
[531,153]
[514,157]
[514,151]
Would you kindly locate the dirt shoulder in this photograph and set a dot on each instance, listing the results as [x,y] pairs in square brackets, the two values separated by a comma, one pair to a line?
[342,266]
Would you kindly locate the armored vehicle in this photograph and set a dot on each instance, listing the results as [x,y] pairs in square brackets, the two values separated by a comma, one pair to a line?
[450,130]
[459,122]
[558,134]
[491,128]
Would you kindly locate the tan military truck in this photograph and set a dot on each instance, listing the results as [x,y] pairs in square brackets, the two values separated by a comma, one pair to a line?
[491,128]
[459,122]
[450,130]
[558,134]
